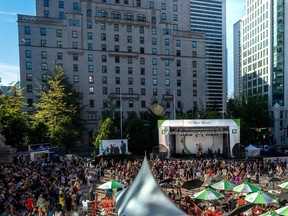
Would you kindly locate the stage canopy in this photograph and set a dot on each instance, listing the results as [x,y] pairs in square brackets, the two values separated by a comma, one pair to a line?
[144,197]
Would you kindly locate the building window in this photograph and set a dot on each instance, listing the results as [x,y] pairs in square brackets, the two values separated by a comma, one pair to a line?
[141,17]
[163,6]
[178,82]
[155,91]
[138,3]
[89,35]
[59,33]
[104,90]
[194,44]
[194,83]
[151,5]
[90,68]
[194,92]
[175,27]
[141,30]
[104,80]
[59,56]
[74,22]
[103,47]
[30,102]
[154,81]
[178,73]
[116,38]
[142,50]
[143,104]
[43,54]
[46,13]
[75,6]
[154,51]
[103,26]
[117,59]
[59,44]
[89,13]
[103,37]
[117,80]
[129,28]
[178,52]
[194,64]
[102,13]
[130,60]
[178,43]
[89,24]
[167,42]
[27,30]
[44,66]
[104,58]
[43,43]
[179,92]
[142,81]
[129,49]
[178,63]
[117,70]
[194,73]
[75,56]
[154,71]
[116,27]
[28,53]
[61,4]
[116,48]
[142,71]
[91,103]
[29,77]
[129,39]
[130,70]
[154,61]
[130,81]
[91,90]
[167,52]
[116,15]
[27,42]
[141,39]
[142,61]
[46,3]
[154,41]
[175,17]
[167,72]
[43,31]
[167,82]
[153,30]
[143,91]
[167,62]
[61,15]
[90,46]
[194,54]
[75,45]
[76,78]
[74,34]
[28,65]
[29,88]
[131,105]
[175,8]
[75,67]
[104,69]
[91,79]
[90,57]
[128,16]
[163,16]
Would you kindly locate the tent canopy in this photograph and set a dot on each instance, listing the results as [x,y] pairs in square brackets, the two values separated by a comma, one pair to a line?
[252,151]
[144,197]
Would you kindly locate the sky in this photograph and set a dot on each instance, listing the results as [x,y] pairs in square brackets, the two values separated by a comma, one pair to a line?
[9,53]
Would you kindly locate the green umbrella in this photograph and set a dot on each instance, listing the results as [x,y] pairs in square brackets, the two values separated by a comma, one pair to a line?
[223,185]
[246,187]
[261,197]
[269,213]
[282,211]
[111,185]
[208,194]
[284,185]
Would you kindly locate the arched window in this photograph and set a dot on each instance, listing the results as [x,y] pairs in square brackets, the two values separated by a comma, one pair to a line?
[129,16]
[89,13]
[153,20]
[141,17]
[116,15]
[102,13]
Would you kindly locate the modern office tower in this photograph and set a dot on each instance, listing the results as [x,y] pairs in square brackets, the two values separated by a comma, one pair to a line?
[209,16]
[129,52]
[263,56]
[237,59]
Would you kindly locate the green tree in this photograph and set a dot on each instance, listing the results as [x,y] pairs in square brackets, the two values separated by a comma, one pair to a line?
[59,109]
[106,130]
[13,124]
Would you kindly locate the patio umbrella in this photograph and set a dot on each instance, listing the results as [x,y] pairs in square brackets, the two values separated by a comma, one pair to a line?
[272,180]
[112,184]
[246,187]
[241,209]
[282,211]
[192,184]
[223,185]
[269,213]
[208,194]
[284,185]
[261,197]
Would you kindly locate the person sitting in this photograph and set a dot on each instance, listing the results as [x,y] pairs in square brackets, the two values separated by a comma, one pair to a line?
[240,201]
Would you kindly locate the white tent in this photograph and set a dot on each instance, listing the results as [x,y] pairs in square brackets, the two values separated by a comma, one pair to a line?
[144,197]
[252,151]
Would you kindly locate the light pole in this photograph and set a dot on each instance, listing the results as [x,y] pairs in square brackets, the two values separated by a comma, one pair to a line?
[121,114]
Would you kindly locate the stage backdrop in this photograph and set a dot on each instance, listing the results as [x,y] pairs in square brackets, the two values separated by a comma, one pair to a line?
[113,147]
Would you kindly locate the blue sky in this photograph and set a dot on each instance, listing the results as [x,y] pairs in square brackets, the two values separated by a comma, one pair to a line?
[9,55]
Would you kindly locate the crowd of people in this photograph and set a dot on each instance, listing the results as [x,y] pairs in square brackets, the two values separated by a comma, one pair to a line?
[53,188]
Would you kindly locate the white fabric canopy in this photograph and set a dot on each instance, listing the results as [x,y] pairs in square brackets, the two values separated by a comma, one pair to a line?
[252,151]
[144,197]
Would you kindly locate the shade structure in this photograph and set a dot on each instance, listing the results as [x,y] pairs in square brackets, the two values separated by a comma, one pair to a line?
[261,197]
[112,184]
[208,194]
[223,185]
[269,213]
[246,187]
[284,185]
[192,184]
[144,197]
[282,211]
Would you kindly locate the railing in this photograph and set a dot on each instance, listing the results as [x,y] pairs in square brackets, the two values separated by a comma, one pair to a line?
[38,19]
